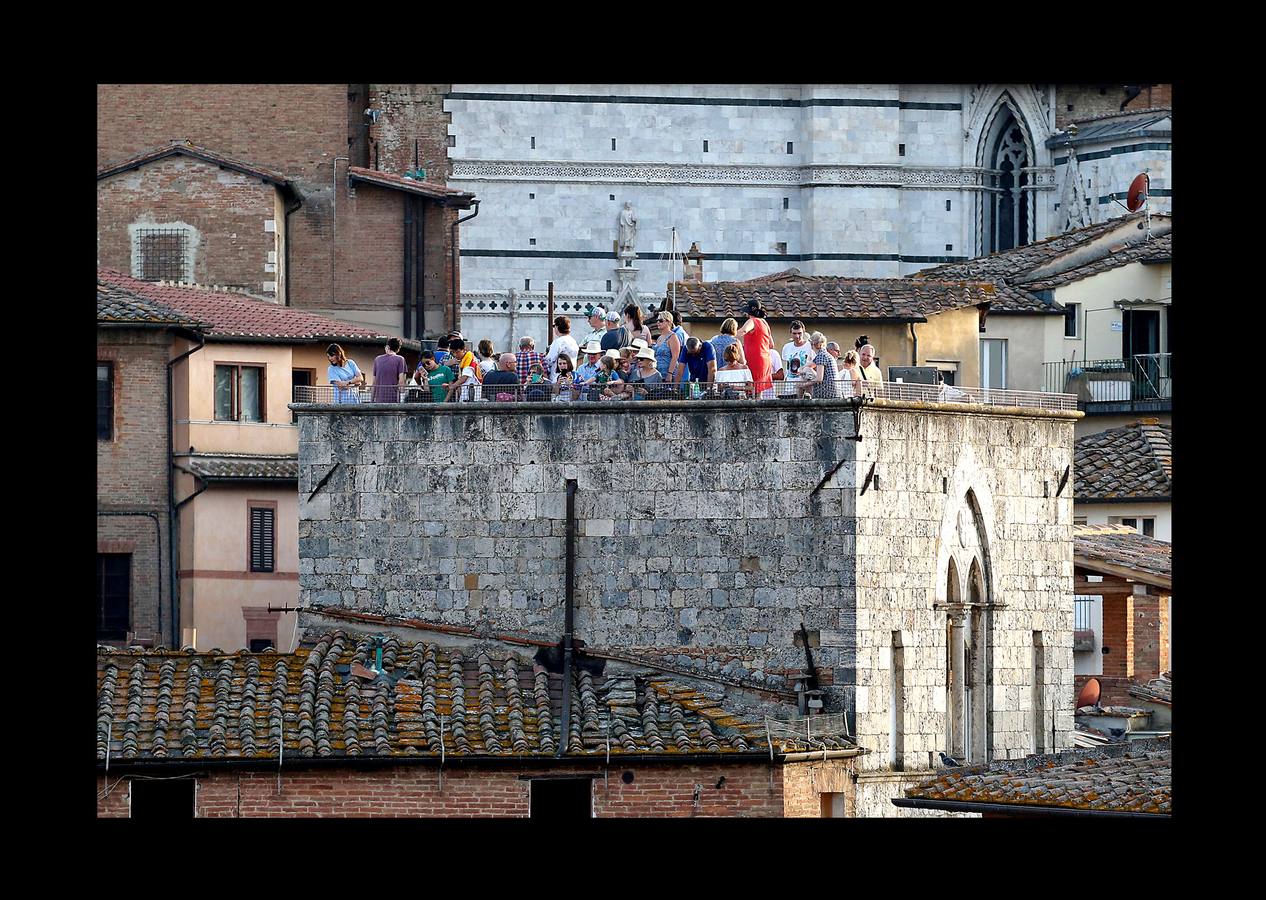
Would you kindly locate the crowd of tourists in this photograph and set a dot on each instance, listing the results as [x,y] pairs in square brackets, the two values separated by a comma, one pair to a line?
[621,357]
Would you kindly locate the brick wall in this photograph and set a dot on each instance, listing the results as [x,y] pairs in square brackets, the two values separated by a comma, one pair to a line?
[410,112]
[113,797]
[132,467]
[1145,637]
[1116,628]
[804,783]
[1089,100]
[226,209]
[298,130]
[1163,636]
[658,791]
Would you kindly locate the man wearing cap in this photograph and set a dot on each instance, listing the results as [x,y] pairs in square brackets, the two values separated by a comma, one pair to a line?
[597,317]
[616,335]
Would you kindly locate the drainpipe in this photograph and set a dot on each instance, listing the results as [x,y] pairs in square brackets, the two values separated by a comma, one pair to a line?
[334,242]
[453,242]
[158,544]
[286,225]
[419,266]
[173,526]
[404,300]
[568,625]
[914,349]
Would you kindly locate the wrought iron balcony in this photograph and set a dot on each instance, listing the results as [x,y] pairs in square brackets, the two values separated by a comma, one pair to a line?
[1140,383]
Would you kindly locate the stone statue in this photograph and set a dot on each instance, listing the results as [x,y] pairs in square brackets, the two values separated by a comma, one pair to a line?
[628,230]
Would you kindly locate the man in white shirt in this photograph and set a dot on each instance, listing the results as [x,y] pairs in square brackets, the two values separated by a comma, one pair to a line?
[866,362]
[797,353]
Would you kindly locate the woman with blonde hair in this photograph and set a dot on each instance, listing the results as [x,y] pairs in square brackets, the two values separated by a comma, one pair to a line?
[728,336]
[735,372]
[344,375]
[851,369]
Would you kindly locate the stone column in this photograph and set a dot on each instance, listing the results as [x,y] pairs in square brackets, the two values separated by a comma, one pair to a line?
[958,684]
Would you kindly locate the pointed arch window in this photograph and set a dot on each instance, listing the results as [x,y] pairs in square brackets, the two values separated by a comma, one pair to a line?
[1007,220]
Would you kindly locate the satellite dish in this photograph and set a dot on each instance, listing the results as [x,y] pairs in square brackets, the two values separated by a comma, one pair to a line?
[1089,695]
[1137,195]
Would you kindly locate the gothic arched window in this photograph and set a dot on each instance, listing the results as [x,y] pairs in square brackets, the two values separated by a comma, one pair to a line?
[1007,219]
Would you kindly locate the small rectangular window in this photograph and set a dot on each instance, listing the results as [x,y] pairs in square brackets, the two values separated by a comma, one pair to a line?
[239,393]
[533,143]
[613,143]
[263,538]
[832,805]
[532,242]
[782,246]
[610,196]
[786,203]
[608,284]
[790,147]
[301,378]
[901,149]
[531,196]
[527,284]
[705,146]
[452,140]
[259,645]
[1071,314]
[1149,528]
[993,363]
[114,600]
[949,247]
[105,401]
[166,800]
[947,206]
[561,798]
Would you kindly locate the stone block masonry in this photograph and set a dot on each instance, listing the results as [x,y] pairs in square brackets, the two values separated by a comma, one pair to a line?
[707,533]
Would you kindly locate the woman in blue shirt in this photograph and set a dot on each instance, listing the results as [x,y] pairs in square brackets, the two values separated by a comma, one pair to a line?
[344,375]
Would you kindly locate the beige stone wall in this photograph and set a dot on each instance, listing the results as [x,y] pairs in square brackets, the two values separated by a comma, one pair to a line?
[804,783]
[907,532]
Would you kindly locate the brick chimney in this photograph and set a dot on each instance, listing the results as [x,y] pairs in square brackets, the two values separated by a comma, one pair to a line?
[692,264]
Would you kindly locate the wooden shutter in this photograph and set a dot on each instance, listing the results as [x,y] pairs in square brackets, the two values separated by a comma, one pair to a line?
[262,539]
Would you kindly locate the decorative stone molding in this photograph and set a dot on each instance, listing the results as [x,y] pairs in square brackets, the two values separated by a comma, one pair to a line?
[918,177]
[494,302]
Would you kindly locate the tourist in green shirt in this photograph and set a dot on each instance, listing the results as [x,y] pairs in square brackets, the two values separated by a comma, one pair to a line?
[435,375]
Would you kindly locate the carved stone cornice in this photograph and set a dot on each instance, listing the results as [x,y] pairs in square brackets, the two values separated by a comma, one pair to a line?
[908,177]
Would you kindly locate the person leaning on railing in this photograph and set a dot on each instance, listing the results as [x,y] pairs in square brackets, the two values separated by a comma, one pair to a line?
[344,375]
[645,374]
[502,384]
[433,376]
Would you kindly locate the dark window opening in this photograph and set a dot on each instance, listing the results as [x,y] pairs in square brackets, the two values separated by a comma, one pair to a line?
[452,140]
[527,284]
[162,254]
[105,401]
[705,146]
[164,800]
[786,203]
[263,538]
[610,196]
[114,590]
[608,284]
[533,143]
[901,149]
[1070,319]
[239,393]
[613,143]
[947,206]
[259,645]
[949,247]
[532,241]
[790,146]
[782,246]
[531,196]
[301,378]
[562,798]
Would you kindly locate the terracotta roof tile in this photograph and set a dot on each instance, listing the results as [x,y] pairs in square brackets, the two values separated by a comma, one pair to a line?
[242,467]
[1009,269]
[789,294]
[1129,778]
[235,706]
[1158,689]
[1131,462]
[230,314]
[1157,249]
[118,305]
[1121,547]
[430,189]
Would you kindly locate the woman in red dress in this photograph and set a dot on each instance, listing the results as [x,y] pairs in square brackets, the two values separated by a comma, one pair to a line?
[757,343]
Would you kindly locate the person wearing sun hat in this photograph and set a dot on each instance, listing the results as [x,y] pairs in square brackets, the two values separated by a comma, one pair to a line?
[588,367]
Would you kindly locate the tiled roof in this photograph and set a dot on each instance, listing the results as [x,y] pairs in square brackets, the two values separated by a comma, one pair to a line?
[236,315]
[176,705]
[1131,462]
[185,148]
[116,305]
[431,189]
[1123,778]
[1008,269]
[243,467]
[1118,549]
[789,294]
[1157,249]
[1158,689]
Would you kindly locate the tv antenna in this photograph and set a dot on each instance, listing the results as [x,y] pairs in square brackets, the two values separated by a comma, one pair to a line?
[1136,198]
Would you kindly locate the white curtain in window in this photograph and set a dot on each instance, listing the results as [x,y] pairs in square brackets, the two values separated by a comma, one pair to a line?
[251,408]
[224,393]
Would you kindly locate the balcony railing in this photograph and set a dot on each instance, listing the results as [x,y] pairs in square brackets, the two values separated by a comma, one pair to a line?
[781,390]
[1136,383]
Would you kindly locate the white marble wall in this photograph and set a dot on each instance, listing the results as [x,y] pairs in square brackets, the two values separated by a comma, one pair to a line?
[848,189]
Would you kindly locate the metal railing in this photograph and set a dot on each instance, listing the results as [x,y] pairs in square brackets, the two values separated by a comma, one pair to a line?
[1142,378]
[635,392]
[1081,614]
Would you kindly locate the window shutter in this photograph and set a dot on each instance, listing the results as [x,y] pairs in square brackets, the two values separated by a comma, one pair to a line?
[262,539]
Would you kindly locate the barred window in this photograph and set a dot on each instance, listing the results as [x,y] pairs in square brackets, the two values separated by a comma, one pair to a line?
[105,401]
[162,254]
[263,538]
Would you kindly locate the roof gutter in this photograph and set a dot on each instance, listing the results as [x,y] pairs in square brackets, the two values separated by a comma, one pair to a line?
[452,233]
[821,754]
[287,238]
[1020,809]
